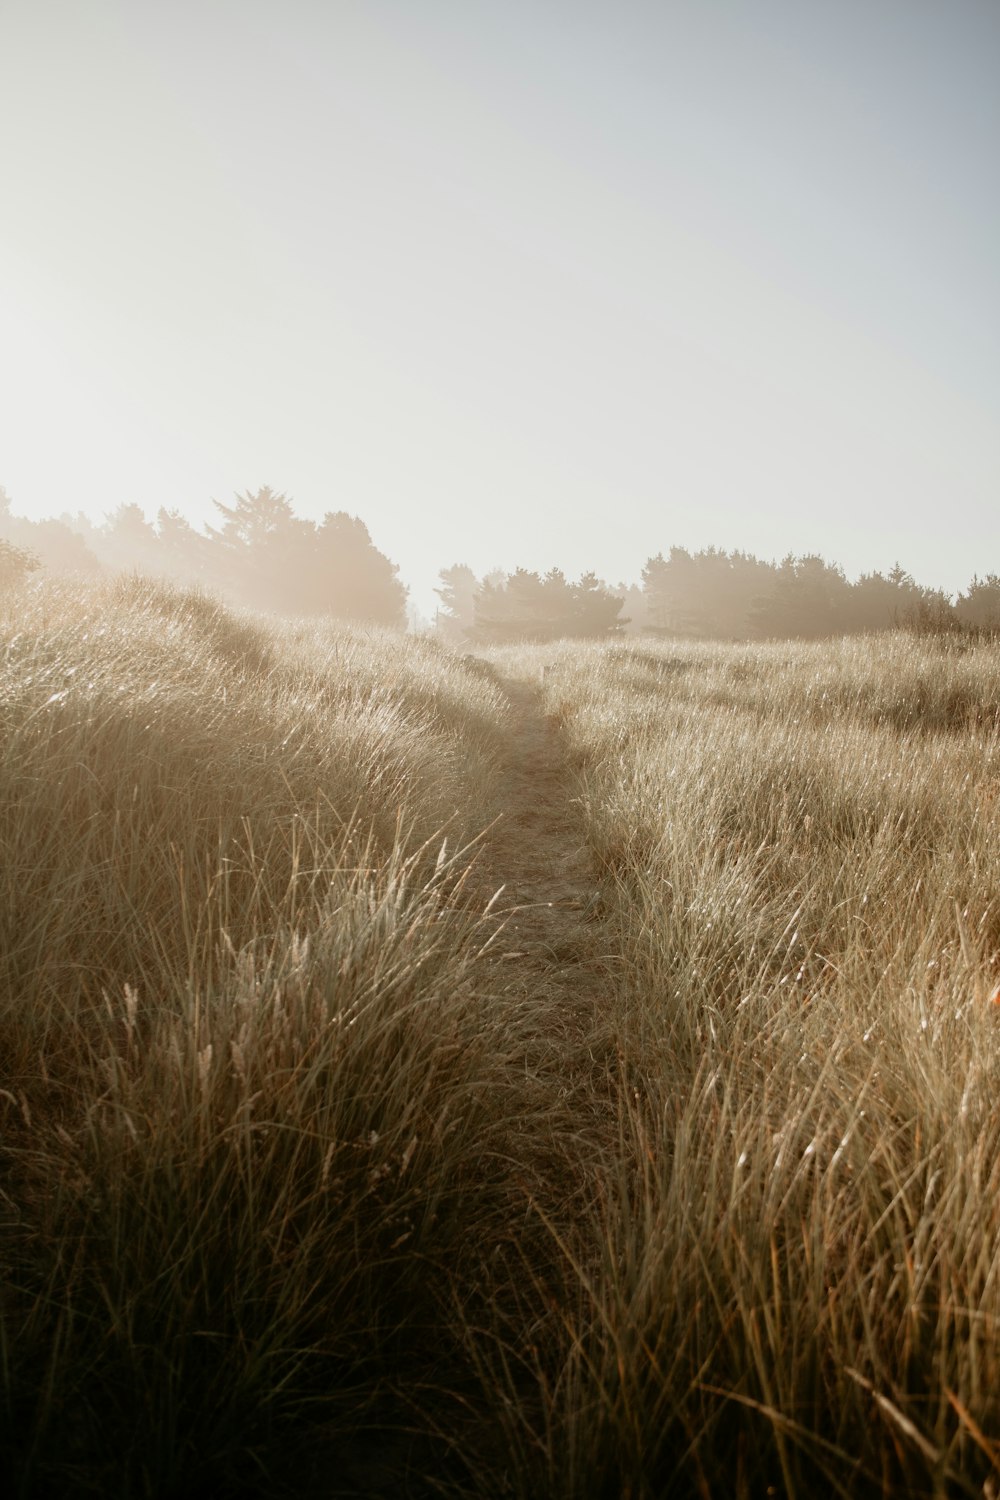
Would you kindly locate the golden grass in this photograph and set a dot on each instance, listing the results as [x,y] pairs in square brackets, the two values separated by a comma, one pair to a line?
[305,1192]
[800,1281]
[250,1079]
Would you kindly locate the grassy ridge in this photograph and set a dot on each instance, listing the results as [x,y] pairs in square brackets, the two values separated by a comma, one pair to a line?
[303,1193]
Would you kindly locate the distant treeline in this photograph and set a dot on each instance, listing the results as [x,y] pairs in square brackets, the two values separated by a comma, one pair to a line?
[526,606]
[262,555]
[712,595]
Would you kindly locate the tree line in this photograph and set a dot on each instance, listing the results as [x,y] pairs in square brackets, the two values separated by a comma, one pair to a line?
[259,553]
[708,595]
[526,606]
[734,595]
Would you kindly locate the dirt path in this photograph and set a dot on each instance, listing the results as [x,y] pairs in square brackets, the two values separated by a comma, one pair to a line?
[550,908]
[556,951]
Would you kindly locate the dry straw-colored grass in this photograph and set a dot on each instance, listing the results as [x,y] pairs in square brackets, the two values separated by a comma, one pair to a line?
[799,1283]
[252,1087]
[295,1197]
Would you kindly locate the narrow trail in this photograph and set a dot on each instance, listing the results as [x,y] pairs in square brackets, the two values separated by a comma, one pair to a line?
[555,955]
[550,907]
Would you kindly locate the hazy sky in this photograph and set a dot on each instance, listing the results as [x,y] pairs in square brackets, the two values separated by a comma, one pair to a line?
[536,283]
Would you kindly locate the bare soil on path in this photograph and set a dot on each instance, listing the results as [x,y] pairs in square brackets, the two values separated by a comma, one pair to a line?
[550,904]
[557,952]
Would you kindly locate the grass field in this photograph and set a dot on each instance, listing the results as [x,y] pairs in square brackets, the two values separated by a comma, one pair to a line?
[567,1073]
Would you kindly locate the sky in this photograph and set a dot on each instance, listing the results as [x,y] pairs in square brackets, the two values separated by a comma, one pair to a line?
[519,282]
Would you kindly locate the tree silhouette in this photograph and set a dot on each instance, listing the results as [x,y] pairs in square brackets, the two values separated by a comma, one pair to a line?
[350,578]
[594,609]
[706,594]
[735,596]
[258,549]
[458,600]
[979,606]
[528,607]
[255,521]
[54,543]
[274,560]
[184,553]
[127,541]
[15,565]
[808,598]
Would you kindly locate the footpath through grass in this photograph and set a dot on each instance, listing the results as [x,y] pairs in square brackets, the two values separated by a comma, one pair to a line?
[433,1077]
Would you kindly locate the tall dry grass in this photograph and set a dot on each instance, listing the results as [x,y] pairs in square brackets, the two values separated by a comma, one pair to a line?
[798,1284]
[256,1093]
[297,1194]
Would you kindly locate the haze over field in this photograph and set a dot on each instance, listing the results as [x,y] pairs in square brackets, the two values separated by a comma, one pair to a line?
[516,283]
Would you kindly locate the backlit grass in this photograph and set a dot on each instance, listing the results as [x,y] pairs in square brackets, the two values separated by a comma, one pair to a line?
[305,1191]
[799,1282]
